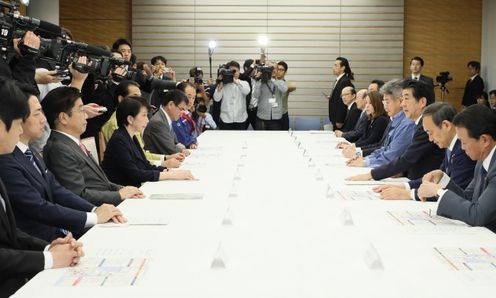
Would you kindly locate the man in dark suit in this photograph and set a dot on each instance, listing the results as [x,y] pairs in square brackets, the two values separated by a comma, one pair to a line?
[474,86]
[421,156]
[416,65]
[438,124]
[72,166]
[337,109]
[348,95]
[159,136]
[362,122]
[43,208]
[22,256]
[476,206]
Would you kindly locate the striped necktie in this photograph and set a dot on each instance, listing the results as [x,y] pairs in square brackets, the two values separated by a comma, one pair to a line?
[30,156]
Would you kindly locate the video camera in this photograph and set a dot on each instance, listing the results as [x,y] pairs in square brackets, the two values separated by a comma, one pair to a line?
[226,73]
[197,74]
[60,53]
[443,78]
[13,25]
[265,73]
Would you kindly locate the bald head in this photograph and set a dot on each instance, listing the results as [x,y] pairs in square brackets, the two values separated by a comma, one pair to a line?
[360,99]
[348,95]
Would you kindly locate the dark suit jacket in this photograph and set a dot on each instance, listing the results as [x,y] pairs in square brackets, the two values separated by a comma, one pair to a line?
[470,206]
[125,163]
[79,172]
[460,168]
[374,131]
[359,130]
[473,88]
[41,205]
[352,117]
[368,149]
[159,137]
[21,256]
[419,158]
[337,108]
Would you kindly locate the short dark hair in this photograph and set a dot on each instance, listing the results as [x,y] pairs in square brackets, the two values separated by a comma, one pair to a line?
[233,64]
[378,82]
[175,95]
[248,63]
[201,108]
[484,95]
[419,90]
[28,91]
[492,92]
[158,58]
[477,120]
[123,88]
[120,42]
[283,64]
[474,64]
[59,100]
[419,59]
[13,103]
[130,106]
[440,111]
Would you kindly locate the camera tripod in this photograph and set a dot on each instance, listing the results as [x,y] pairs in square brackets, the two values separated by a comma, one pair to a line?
[444,90]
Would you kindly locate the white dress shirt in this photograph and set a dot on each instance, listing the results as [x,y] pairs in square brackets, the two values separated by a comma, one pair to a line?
[233,106]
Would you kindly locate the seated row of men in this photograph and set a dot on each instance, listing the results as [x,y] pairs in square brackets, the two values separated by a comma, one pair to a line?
[448,157]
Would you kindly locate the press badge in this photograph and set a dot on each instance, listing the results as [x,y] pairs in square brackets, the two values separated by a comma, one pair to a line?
[272,100]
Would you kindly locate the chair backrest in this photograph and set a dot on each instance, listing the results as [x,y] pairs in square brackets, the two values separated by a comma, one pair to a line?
[306,123]
[90,145]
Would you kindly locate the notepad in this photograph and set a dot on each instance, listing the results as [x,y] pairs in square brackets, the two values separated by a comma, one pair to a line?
[176,196]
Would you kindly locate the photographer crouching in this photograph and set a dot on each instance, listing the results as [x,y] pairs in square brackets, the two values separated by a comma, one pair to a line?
[268,95]
[232,92]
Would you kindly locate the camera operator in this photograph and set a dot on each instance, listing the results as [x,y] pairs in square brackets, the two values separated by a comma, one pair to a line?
[204,90]
[143,77]
[160,69]
[232,92]
[267,95]
[249,70]
[22,66]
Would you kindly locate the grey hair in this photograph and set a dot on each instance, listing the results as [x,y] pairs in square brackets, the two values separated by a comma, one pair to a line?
[439,112]
[393,87]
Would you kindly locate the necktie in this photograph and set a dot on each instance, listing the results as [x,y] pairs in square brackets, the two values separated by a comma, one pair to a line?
[29,154]
[83,148]
[448,160]
[416,78]
[482,181]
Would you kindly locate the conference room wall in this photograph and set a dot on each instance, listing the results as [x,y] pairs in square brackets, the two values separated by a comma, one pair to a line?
[428,31]
[488,58]
[446,34]
[309,36]
[95,21]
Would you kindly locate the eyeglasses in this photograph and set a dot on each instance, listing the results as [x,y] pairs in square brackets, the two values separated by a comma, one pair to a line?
[345,94]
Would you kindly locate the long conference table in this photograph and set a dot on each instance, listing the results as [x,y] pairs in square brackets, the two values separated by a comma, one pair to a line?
[270,215]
